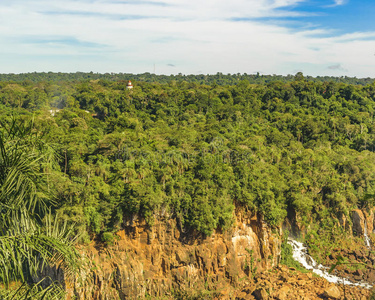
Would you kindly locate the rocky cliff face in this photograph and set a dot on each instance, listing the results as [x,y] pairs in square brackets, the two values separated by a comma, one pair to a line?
[363,222]
[155,261]
[358,223]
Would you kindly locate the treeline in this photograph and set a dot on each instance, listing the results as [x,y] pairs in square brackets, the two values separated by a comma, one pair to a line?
[194,151]
[218,78]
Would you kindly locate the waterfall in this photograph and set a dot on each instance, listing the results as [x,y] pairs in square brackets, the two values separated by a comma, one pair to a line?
[367,239]
[300,255]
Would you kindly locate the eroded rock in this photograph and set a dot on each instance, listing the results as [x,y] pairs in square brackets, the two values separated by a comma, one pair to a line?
[358,220]
[156,260]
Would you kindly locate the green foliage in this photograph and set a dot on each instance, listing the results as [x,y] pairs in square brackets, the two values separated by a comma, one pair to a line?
[108,238]
[93,218]
[119,81]
[250,267]
[31,239]
[34,292]
[190,147]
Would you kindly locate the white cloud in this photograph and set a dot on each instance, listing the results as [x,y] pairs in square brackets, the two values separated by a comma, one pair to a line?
[130,36]
[339,2]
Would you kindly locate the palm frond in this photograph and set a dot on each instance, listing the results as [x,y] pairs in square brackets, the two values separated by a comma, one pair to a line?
[27,248]
[32,241]
[33,292]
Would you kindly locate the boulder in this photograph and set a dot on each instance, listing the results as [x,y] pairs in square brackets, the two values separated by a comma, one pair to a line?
[332,292]
[260,294]
[371,276]
[282,294]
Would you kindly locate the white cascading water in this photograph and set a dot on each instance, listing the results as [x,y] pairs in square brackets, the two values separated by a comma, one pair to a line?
[367,239]
[300,255]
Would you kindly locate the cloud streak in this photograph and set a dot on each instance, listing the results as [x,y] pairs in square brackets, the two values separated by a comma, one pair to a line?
[339,2]
[336,67]
[211,36]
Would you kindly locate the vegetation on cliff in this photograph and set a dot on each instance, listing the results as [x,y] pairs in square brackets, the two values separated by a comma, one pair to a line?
[87,149]
[194,151]
[180,148]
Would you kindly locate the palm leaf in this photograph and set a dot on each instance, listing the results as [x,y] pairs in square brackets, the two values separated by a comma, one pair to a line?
[31,239]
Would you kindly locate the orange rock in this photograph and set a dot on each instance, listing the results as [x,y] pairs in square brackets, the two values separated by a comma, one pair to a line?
[282,294]
[332,292]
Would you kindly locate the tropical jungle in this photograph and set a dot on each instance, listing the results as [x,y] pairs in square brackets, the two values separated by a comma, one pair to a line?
[82,156]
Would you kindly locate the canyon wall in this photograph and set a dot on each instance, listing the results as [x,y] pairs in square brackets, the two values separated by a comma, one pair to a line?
[153,261]
[164,262]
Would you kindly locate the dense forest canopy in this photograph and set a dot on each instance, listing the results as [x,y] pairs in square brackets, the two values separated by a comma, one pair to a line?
[218,78]
[194,147]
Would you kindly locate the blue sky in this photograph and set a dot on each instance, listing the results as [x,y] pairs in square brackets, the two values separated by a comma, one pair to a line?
[346,16]
[332,37]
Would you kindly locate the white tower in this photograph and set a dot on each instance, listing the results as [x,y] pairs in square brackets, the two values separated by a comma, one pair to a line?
[129,85]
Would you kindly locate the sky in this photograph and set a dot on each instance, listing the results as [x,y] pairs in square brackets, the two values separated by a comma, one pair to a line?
[316,37]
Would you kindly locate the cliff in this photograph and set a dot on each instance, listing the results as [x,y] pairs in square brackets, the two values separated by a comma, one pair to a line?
[164,262]
[156,260]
